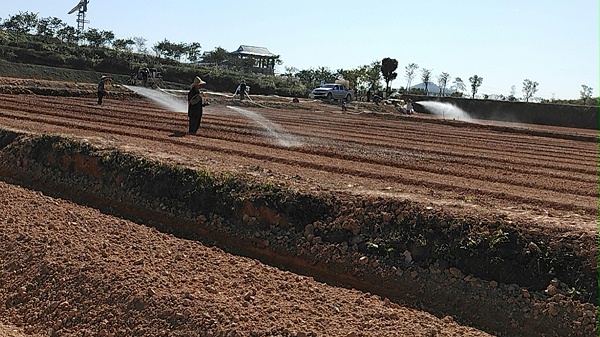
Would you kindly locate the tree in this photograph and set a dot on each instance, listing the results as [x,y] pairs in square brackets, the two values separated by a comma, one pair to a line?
[290,71]
[351,76]
[107,37]
[67,34]
[324,74]
[410,74]
[529,89]
[216,57]
[123,45]
[192,51]
[49,27]
[459,86]
[513,91]
[22,23]
[177,50]
[98,38]
[140,44]
[93,37]
[311,78]
[372,76]
[172,50]
[475,84]
[586,93]
[388,70]
[442,81]
[426,77]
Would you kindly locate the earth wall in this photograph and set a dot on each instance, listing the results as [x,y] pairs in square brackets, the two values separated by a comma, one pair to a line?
[576,116]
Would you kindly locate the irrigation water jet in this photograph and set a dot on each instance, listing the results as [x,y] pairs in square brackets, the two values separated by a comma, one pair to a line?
[176,103]
[170,102]
[445,110]
[282,138]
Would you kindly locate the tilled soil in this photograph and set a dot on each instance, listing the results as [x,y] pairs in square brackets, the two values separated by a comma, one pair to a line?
[73,270]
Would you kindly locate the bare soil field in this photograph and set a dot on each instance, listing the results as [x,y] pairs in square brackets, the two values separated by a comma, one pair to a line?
[318,222]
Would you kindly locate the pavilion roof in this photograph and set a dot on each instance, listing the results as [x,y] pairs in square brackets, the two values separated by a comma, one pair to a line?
[254,51]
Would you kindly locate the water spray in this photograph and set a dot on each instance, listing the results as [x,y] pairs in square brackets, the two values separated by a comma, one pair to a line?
[445,110]
[166,100]
[283,139]
[176,103]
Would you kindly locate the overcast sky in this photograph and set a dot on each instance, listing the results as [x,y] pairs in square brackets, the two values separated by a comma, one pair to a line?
[554,43]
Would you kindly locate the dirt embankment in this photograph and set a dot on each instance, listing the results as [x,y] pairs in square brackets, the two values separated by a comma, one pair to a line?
[494,228]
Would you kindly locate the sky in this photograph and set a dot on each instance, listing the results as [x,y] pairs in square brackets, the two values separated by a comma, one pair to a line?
[552,42]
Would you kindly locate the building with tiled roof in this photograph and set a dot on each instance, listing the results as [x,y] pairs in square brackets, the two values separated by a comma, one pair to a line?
[264,60]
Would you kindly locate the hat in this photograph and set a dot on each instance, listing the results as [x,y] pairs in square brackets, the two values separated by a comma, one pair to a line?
[104,77]
[198,81]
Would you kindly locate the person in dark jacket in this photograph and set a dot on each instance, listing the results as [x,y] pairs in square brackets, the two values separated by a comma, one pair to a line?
[242,89]
[195,105]
[104,81]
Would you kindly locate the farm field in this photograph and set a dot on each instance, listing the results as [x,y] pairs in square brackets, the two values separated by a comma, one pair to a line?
[111,276]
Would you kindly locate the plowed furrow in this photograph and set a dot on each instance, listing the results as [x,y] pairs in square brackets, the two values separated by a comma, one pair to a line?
[457,170]
[404,154]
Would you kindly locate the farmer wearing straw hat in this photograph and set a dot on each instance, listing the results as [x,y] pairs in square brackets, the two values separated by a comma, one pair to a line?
[195,105]
[104,81]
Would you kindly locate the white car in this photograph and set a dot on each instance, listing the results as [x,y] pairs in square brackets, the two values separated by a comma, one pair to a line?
[332,91]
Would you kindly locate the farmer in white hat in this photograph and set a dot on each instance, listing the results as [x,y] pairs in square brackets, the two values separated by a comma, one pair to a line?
[104,81]
[195,105]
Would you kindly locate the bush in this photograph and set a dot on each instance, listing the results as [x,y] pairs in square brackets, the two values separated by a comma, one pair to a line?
[31,49]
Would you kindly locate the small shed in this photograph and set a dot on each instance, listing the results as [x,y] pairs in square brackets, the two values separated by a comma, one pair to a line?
[264,60]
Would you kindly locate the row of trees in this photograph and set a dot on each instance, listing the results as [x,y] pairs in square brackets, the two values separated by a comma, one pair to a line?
[389,66]
[365,79]
[26,23]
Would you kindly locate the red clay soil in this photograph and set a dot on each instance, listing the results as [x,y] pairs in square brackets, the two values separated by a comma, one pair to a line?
[546,177]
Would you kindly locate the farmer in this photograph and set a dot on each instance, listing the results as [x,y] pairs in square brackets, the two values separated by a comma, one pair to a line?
[195,105]
[242,89]
[344,105]
[409,107]
[104,81]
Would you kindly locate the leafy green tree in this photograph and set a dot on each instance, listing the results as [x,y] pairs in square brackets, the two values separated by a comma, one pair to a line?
[168,49]
[178,50]
[586,93]
[351,76]
[324,74]
[22,23]
[48,27]
[410,69]
[98,38]
[388,70]
[475,84]
[426,78]
[67,34]
[372,76]
[217,56]
[93,37]
[529,89]
[442,82]
[312,78]
[192,51]
[123,45]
